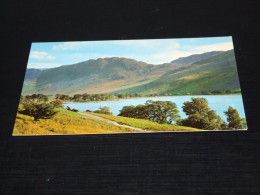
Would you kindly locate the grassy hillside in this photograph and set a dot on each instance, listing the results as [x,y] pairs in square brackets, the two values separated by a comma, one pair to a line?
[64,122]
[67,122]
[145,124]
[215,73]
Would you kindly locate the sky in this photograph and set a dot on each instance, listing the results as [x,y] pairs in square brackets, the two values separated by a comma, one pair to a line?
[152,51]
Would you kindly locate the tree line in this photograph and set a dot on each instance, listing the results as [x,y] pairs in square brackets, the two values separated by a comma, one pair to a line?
[220,92]
[34,97]
[85,97]
[199,114]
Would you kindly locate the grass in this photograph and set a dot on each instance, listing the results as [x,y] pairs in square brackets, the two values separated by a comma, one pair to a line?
[67,122]
[64,122]
[145,124]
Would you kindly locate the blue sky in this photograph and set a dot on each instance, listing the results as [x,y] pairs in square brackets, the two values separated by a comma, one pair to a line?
[153,51]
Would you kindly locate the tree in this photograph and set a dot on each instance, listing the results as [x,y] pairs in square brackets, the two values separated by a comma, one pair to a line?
[85,96]
[57,96]
[103,110]
[228,91]
[42,97]
[57,104]
[121,95]
[196,106]
[96,97]
[38,97]
[28,98]
[138,111]
[64,97]
[141,112]
[45,98]
[214,121]
[38,110]
[76,97]
[243,123]
[22,99]
[233,118]
[159,111]
[200,116]
[128,111]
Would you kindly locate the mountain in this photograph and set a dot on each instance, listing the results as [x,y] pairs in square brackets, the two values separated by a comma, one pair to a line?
[194,58]
[32,73]
[102,75]
[209,71]
[217,72]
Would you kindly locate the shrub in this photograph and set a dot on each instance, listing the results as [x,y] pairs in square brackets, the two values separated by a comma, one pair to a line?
[38,110]
[74,110]
[103,110]
[57,104]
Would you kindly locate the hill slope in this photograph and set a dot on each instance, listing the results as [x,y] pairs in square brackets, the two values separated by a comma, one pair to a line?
[210,71]
[218,72]
[32,73]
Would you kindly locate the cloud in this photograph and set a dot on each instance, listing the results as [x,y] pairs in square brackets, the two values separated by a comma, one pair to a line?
[173,51]
[136,43]
[212,47]
[149,44]
[42,65]
[152,58]
[87,56]
[70,45]
[41,55]
[166,57]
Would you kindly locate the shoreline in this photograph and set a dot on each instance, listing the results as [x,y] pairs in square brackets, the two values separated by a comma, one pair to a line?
[146,98]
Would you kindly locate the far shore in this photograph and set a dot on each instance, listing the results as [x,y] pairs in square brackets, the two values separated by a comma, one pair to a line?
[116,100]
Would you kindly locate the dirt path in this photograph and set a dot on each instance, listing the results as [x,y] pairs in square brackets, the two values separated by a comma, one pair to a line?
[112,122]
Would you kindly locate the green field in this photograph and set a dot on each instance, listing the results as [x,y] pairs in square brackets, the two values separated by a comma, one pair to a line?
[145,124]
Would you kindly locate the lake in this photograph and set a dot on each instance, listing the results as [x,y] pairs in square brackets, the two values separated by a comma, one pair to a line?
[219,103]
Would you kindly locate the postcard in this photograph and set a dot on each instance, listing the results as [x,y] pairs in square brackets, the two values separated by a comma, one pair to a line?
[131,86]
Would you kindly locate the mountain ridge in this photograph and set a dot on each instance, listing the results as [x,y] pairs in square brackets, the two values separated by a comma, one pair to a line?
[115,75]
[194,58]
